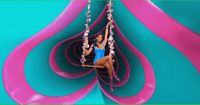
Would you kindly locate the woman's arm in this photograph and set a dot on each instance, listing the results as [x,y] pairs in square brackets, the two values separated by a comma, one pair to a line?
[106,35]
[89,51]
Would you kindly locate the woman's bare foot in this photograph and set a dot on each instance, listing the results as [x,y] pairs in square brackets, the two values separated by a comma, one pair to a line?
[115,76]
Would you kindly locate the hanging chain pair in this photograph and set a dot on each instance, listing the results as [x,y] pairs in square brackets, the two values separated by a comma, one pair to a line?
[87,31]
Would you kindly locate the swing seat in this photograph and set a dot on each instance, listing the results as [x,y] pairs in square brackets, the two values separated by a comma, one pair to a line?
[92,66]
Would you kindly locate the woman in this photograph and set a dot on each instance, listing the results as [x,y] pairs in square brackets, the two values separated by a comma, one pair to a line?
[100,58]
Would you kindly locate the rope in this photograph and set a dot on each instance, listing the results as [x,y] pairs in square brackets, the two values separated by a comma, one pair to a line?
[86,33]
[111,40]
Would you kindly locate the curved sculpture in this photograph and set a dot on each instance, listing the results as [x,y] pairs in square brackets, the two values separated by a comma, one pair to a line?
[13,76]
[166,28]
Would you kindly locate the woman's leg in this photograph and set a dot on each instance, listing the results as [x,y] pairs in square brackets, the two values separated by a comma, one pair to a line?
[107,66]
[110,61]
[104,60]
[106,63]
[107,59]
[110,73]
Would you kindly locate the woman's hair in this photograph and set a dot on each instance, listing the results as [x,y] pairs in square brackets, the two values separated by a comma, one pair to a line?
[100,33]
[95,42]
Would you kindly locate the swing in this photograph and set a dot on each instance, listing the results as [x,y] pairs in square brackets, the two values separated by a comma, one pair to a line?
[93,66]
[87,30]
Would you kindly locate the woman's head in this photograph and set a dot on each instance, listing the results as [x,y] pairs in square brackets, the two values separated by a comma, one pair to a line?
[99,38]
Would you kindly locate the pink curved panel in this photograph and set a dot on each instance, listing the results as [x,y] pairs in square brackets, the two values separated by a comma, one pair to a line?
[52,57]
[13,71]
[22,93]
[167,28]
[58,70]
[149,85]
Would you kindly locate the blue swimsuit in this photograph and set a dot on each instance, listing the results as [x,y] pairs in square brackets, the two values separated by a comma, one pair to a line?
[99,53]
